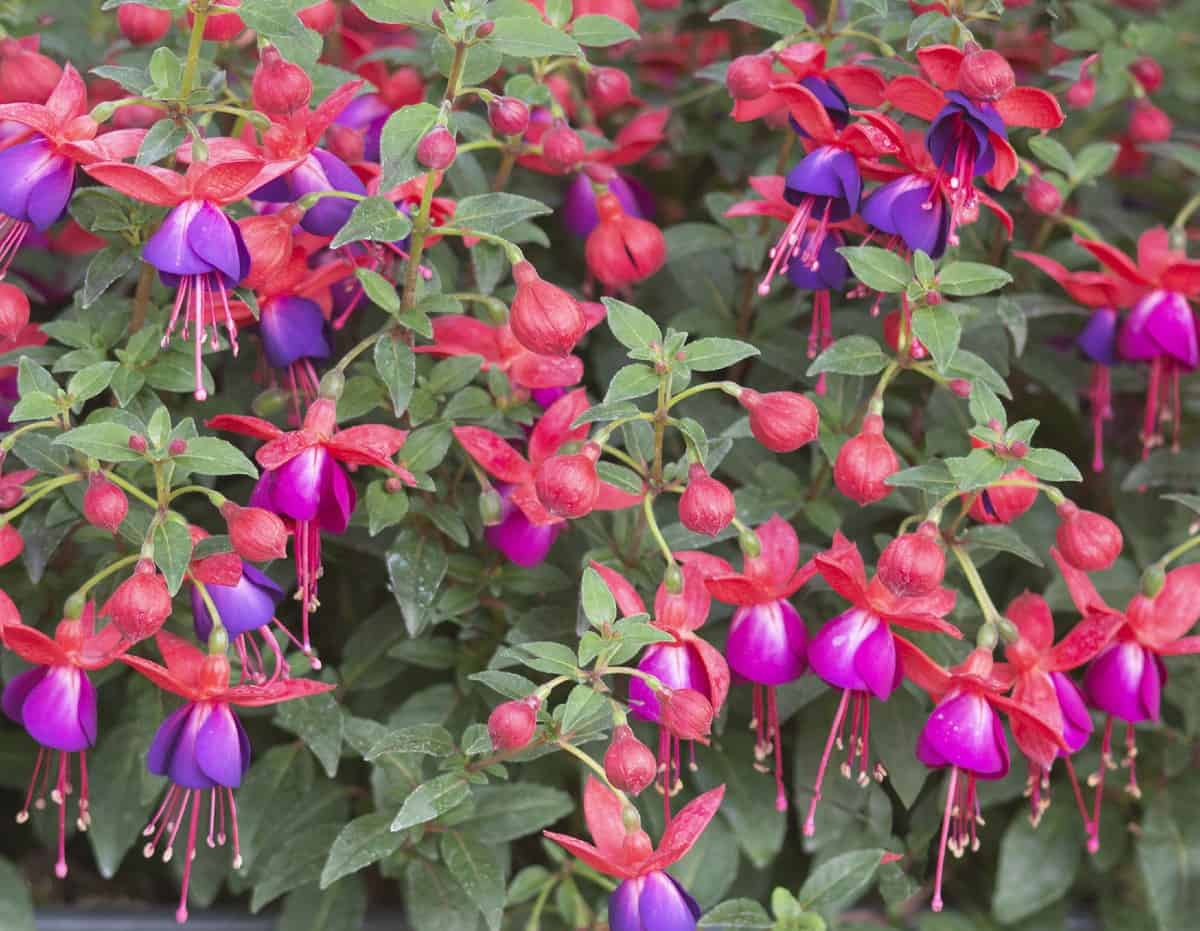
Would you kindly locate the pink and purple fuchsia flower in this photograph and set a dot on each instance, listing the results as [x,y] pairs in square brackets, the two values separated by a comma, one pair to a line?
[246,608]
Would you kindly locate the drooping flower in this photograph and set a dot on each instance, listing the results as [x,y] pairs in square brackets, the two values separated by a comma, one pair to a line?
[648,898]
[202,747]
[684,665]
[857,653]
[245,607]
[578,209]
[303,480]
[56,704]
[767,642]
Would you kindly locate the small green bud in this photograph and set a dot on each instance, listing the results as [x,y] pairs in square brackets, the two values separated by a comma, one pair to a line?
[673,579]
[1153,580]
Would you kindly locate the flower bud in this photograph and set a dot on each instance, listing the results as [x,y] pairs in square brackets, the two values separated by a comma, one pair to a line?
[748,77]
[508,116]
[1148,73]
[782,421]
[686,713]
[485,29]
[138,443]
[1149,124]
[279,87]
[14,311]
[707,505]
[1088,541]
[257,535]
[891,335]
[628,763]
[1002,504]
[865,462]
[220,27]
[913,563]
[437,149]
[177,446]
[608,89]
[12,544]
[567,486]
[1080,95]
[1042,196]
[960,386]
[562,148]
[26,75]
[511,724]
[622,250]
[104,504]
[141,24]
[320,17]
[985,75]
[544,318]
[141,604]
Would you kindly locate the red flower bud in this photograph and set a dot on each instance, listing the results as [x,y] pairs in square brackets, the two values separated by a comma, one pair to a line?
[1088,541]
[891,336]
[177,446]
[279,87]
[14,311]
[749,77]
[628,763]
[562,148]
[985,75]
[960,386]
[142,24]
[1080,95]
[508,116]
[623,250]
[1042,196]
[256,534]
[221,27]
[511,725]
[320,17]
[913,563]
[686,713]
[11,543]
[544,318]
[608,89]
[782,421]
[865,462]
[1149,124]
[437,149]
[707,506]
[141,604]
[1002,504]
[138,443]
[1148,73]
[485,29]
[567,486]
[104,504]
[26,75]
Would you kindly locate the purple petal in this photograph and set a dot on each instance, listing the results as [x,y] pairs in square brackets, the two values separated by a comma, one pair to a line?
[677,666]
[322,171]
[211,235]
[246,606]
[964,731]
[623,907]
[1098,339]
[1124,681]
[820,173]
[219,747]
[875,661]
[520,541]
[22,167]
[293,328]
[922,223]
[296,485]
[1077,723]
[664,906]
[158,759]
[60,711]
[18,689]
[831,272]
[337,498]
[48,199]
[827,93]
[184,766]
[767,643]
[579,203]
[169,250]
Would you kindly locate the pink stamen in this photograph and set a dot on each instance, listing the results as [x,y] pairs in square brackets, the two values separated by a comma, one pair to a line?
[181,914]
[1097,779]
[60,865]
[951,791]
[810,823]
[788,245]
[773,711]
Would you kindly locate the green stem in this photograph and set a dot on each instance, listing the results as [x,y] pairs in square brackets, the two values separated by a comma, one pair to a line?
[595,767]
[511,250]
[132,489]
[208,603]
[359,348]
[648,510]
[480,144]
[727,386]
[81,592]
[188,81]
[539,905]
[624,457]
[41,491]
[990,614]
[1176,551]
[214,497]
[11,438]
[1185,212]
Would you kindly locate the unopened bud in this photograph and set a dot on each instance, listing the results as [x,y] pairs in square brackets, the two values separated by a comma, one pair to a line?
[749,77]
[511,725]
[177,447]
[138,443]
[508,116]
[628,763]
[437,149]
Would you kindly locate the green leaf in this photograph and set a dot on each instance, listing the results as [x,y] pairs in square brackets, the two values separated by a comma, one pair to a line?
[106,268]
[631,381]
[737,915]
[452,374]
[426,739]
[839,881]
[713,353]
[416,566]
[1186,155]
[964,279]
[850,355]
[379,290]
[896,725]
[505,812]
[32,377]
[409,12]
[939,331]
[363,841]
[398,143]
[878,269]
[477,870]
[1168,853]
[525,37]
[117,772]
[584,710]
[495,213]
[294,863]
[599,605]
[317,720]
[1094,160]
[1052,152]
[341,907]
[397,366]
[375,218]
[1037,865]
[431,800]
[34,405]
[976,470]
[1051,466]
[108,442]
[603,413]
[633,328]
[433,901]
[172,551]
[89,382]
[16,901]
[209,455]
[1003,538]
[601,31]
[933,477]
[779,16]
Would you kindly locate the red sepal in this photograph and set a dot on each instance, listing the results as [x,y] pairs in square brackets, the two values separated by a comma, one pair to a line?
[921,670]
[218,569]
[808,113]
[224,182]
[159,676]
[1021,716]
[69,97]
[1172,612]
[258,696]
[284,448]
[612,498]
[1036,692]
[940,64]
[554,429]
[33,115]
[247,426]
[1114,259]
[862,86]
[148,184]
[915,97]
[584,851]
[1030,106]
[1183,277]
[842,568]
[684,830]
[529,370]
[494,455]
[1006,165]
[716,669]
[372,440]
[738,590]
[35,647]
[1084,641]
[1083,593]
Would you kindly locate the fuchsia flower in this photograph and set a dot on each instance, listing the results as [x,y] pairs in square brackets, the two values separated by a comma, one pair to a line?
[648,898]
[202,746]
[56,704]
[38,165]
[857,652]
[304,481]
[687,662]
[197,247]
[1042,685]
[767,640]
[1126,678]
[964,734]
[520,535]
